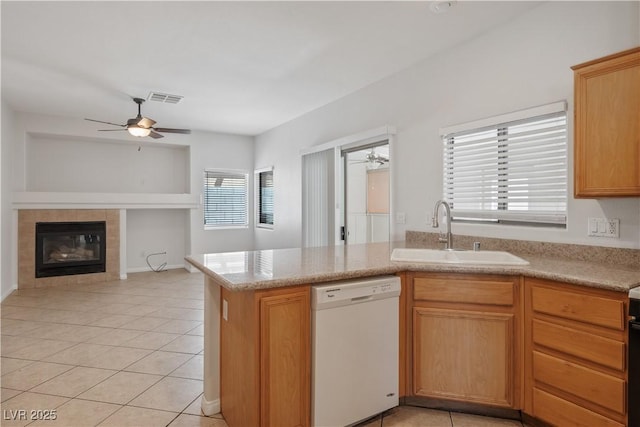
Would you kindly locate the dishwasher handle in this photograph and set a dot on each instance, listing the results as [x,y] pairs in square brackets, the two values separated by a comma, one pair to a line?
[362,298]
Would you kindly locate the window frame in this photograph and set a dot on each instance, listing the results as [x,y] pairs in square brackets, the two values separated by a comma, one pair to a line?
[258,197]
[230,172]
[501,183]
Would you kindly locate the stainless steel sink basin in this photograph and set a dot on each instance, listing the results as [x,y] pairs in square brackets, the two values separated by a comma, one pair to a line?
[436,256]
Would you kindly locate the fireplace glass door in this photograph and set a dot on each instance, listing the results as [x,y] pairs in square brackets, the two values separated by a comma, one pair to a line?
[66,248]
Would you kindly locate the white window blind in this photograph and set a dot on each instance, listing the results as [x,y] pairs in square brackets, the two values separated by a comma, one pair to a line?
[318,198]
[225,199]
[512,171]
[265,198]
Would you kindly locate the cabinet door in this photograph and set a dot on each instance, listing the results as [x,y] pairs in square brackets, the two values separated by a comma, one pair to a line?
[285,360]
[607,126]
[464,355]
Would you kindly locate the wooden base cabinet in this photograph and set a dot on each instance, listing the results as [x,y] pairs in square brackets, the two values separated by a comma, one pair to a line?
[265,360]
[466,338]
[575,354]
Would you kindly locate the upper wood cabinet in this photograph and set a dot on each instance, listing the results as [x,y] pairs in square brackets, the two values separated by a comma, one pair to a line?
[607,126]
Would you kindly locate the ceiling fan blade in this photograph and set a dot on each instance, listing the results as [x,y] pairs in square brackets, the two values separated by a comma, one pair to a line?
[146,122]
[169,130]
[108,123]
[155,135]
[110,130]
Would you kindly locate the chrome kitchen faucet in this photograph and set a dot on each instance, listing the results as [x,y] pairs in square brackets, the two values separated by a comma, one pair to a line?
[448,241]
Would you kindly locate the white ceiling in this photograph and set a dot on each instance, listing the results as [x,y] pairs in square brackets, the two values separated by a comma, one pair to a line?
[242,67]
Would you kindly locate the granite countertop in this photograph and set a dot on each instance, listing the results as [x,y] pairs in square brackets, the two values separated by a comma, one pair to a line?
[263,269]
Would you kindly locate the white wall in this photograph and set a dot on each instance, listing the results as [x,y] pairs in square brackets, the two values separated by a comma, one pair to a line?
[42,146]
[522,64]
[228,152]
[8,265]
[63,163]
[356,196]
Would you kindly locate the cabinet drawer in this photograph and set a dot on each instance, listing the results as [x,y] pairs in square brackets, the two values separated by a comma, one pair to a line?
[585,345]
[577,306]
[560,412]
[596,387]
[464,290]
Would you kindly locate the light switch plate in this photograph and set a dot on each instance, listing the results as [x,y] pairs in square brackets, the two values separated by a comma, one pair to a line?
[604,227]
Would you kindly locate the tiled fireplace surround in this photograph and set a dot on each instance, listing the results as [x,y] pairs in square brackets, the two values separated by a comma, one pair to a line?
[27,219]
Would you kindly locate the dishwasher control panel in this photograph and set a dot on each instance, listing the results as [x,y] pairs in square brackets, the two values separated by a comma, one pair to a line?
[353,291]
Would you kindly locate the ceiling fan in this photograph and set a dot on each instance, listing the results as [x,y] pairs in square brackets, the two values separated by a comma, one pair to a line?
[372,158]
[141,126]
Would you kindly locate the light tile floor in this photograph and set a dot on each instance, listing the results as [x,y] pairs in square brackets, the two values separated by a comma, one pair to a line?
[126,353]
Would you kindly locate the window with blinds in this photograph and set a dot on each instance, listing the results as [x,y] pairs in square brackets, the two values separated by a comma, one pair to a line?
[511,172]
[225,199]
[264,195]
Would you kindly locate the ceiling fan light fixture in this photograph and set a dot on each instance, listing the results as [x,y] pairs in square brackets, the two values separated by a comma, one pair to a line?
[440,6]
[138,131]
[142,126]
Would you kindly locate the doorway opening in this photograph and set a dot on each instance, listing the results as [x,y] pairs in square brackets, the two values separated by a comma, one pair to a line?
[346,189]
[366,193]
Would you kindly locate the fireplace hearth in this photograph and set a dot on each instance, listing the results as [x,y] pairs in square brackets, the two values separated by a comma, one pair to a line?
[69,248]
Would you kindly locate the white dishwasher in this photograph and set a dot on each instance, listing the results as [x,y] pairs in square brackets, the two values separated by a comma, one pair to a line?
[354,350]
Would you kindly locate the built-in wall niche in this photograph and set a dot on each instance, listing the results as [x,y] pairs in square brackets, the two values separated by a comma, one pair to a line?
[91,165]
[156,236]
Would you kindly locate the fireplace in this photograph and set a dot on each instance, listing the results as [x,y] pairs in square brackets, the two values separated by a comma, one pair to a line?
[68,248]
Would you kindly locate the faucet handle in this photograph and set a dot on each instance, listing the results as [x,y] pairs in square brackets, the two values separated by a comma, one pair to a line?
[476,246]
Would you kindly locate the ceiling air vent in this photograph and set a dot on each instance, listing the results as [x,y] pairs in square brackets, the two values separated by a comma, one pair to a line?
[164,97]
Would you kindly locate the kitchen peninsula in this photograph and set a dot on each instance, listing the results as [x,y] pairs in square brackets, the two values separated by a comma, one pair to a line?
[257,328]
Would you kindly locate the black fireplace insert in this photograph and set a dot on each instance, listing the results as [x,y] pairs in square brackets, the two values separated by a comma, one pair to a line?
[67,248]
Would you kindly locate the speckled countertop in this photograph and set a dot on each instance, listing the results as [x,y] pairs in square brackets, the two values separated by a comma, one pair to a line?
[264,269]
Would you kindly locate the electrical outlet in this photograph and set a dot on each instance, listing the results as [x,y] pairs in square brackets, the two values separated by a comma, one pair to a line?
[604,227]
[401,218]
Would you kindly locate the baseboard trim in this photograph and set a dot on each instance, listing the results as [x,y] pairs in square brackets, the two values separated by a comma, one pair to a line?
[143,269]
[465,407]
[9,292]
[210,407]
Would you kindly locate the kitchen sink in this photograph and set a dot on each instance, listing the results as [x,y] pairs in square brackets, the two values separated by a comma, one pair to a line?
[436,256]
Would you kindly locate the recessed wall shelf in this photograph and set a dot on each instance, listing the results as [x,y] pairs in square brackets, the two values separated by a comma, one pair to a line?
[73,200]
